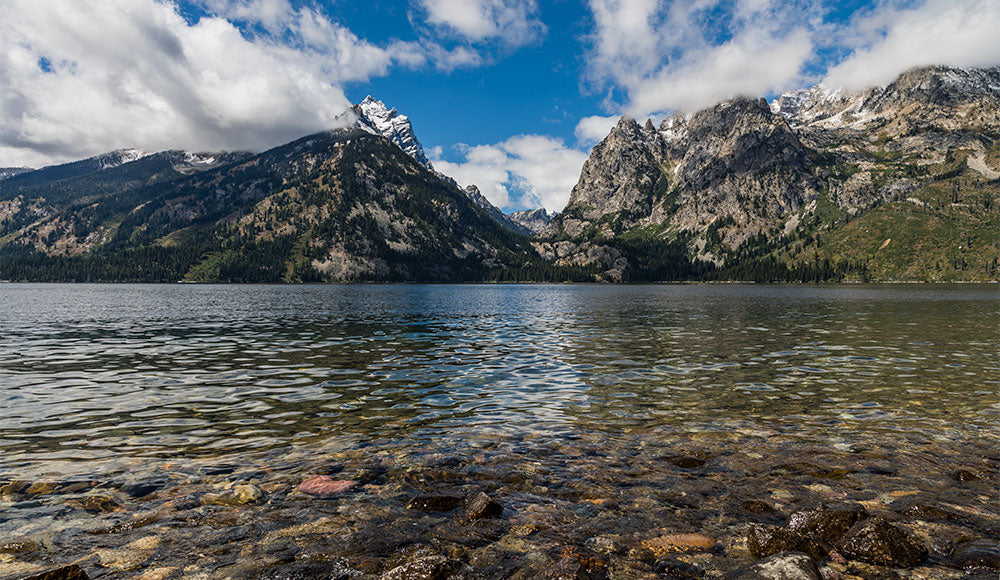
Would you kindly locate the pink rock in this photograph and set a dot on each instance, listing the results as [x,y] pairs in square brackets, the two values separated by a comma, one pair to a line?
[326,486]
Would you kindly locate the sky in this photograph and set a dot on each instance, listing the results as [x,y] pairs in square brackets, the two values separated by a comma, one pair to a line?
[509,95]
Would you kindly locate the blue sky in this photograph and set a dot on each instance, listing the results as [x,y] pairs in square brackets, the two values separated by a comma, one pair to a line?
[507,94]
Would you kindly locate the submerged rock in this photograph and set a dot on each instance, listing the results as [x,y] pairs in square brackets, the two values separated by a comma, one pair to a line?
[435,502]
[326,486]
[308,570]
[769,540]
[758,507]
[674,568]
[686,461]
[483,506]
[71,572]
[877,541]
[828,523]
[963,475]
[678,543]
[781,566]
[143,487]
[977,554]
[247,494]
[423,568]
[130,557]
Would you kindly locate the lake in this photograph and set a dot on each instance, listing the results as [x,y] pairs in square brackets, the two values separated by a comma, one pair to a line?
[600,417]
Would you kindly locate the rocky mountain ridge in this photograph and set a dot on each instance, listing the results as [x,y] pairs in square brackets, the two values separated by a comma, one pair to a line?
[743,178]
[533,220]
[335,206]
[373,116]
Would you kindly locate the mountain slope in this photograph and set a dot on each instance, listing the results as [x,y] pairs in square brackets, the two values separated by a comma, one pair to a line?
[750,190]
[335,206]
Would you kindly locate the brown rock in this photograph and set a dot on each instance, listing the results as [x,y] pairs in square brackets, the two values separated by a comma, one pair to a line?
[483,506]
[828,523]
[686,461]
[984,553]
[678,543]
[435,502]
[71,572]
[769,540]
[877,541]
[423,568]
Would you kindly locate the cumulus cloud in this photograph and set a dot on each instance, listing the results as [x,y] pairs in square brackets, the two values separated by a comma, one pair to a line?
[682,56]
[525,171]
[893,39]
[590,130]
[82,78]
[513,22]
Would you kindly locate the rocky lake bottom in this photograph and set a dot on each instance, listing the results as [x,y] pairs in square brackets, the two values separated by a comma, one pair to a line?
[499,432]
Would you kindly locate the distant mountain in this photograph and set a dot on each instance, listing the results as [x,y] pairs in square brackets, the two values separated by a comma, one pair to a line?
[8,172]
[494,212]
[892,183]
[374,117]
[533,220]
[336,206]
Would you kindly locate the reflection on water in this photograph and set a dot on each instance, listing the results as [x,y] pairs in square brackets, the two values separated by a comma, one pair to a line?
[96,377]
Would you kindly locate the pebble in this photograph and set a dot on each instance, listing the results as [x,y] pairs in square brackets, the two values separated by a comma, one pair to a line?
[326,486]
[247,494]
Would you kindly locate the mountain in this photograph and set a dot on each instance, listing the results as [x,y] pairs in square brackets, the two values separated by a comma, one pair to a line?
[494,212]
[8,172]
[533,220]
[376,118]
[373,116]
[891,183]
[335,206]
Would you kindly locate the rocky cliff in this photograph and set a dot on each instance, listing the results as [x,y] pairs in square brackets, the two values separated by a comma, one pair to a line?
[746,186]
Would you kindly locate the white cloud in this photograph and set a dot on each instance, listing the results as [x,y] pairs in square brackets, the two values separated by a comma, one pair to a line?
[513,22]
[82,78]
[537,170]
[683,56]
[891,40]
[592,129]
[137,74]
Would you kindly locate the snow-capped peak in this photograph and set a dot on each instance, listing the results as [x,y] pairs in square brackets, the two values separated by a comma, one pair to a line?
[375,117]
[118,157]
